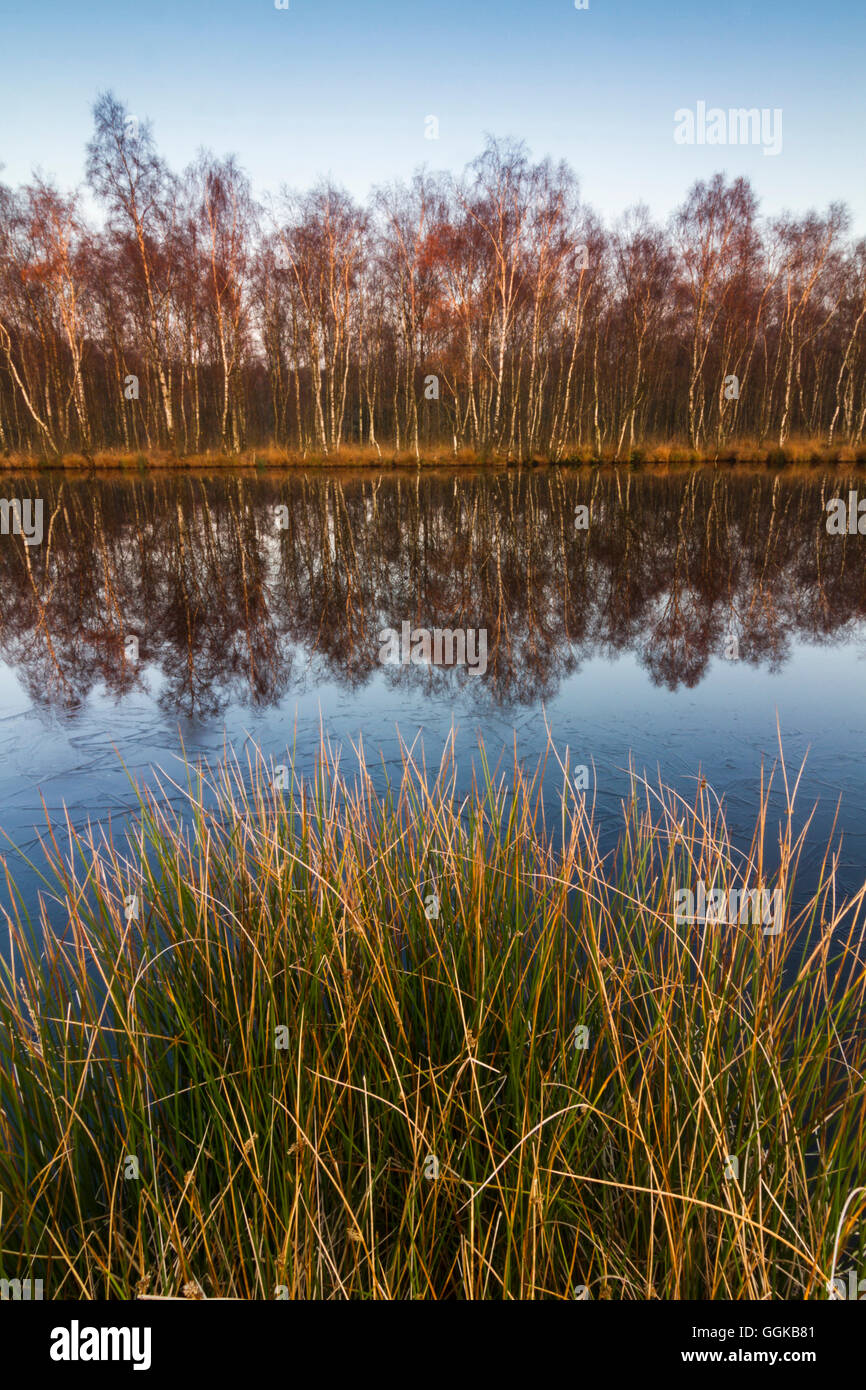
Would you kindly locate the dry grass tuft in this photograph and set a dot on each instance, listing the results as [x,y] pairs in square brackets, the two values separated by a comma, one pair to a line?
[337,1038]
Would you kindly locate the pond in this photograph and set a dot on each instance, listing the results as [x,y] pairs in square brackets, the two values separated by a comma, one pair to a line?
[682,621]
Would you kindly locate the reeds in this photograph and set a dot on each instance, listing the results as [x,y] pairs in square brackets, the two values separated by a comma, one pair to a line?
[319,1040]
[806,452]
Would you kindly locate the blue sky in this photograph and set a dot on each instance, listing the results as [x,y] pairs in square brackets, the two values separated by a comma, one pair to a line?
[343,87]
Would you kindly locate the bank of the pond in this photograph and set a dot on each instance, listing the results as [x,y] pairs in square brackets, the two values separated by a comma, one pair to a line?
[808,452]
[308,1039]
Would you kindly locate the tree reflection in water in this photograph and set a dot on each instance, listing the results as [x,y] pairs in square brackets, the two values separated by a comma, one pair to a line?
[229,608]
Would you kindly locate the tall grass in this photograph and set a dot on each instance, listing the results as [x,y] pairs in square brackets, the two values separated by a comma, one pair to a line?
[803,451]
[330,1050]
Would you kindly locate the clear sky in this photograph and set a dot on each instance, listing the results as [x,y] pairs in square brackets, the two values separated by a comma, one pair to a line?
[343,87]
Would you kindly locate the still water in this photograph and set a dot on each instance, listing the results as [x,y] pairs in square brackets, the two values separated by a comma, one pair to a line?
[687,618]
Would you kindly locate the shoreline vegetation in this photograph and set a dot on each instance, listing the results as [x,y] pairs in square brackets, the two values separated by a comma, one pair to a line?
[306,1038]
[805,452]
[490,310]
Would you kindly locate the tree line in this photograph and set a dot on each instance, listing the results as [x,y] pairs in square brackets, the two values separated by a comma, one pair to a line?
[491,311]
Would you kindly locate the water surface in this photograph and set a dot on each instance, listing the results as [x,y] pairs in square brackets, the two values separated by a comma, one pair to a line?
[694,613]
